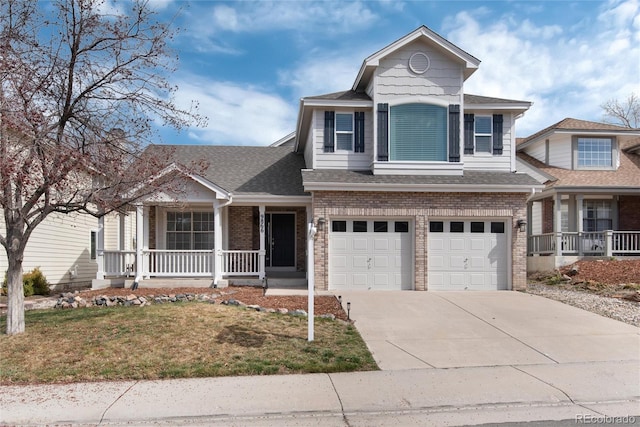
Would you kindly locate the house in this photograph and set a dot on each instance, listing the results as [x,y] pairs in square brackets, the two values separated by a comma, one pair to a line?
[64,248]
[402,181]
[591,199]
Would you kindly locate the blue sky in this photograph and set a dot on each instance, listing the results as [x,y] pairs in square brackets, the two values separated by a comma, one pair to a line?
[248,63]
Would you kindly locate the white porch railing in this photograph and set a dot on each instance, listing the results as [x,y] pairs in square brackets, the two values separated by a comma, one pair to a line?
[119,263]
[240,263]
[601,243]
[178,263]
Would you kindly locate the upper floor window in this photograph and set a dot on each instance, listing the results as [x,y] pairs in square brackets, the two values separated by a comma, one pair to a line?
[190,230]
[595,152]
[344,131]
[418,132]
[483,126]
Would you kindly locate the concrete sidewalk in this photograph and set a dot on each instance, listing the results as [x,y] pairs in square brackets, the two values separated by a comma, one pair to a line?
[457,396]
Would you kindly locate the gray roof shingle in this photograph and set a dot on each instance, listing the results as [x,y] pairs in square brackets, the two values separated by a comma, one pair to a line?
[241,169]
[471,179]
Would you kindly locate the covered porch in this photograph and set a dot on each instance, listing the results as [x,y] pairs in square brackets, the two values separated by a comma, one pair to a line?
[205,245]
[572,225]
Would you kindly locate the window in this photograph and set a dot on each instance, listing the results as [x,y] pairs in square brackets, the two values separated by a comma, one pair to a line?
[401,227]
[359,226]
[436,226]
[477,227]
[418,132]
[190,230]
[338,226]
[380,226]
[596,215]
[497,227]
[483,135]
[94,244]
[344,131]
[456,227]
[594,152]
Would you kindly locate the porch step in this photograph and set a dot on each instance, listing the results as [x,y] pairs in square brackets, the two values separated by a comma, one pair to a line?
[273,282]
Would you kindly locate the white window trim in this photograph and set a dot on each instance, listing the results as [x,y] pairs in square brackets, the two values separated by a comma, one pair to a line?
[337,132]
[191,232]
[476,135]
[614,153]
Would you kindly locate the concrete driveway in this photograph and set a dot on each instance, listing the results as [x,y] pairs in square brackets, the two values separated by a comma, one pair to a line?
[411,330]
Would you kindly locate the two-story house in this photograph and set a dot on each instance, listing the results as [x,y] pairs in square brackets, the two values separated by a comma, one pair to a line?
[591,201]
[402,181]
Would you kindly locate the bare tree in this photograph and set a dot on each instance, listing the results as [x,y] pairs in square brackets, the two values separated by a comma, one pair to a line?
[80,91]
[625,113]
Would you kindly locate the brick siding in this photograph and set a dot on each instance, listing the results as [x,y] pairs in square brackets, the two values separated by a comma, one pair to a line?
[547,215]
[628,216]
[419,207]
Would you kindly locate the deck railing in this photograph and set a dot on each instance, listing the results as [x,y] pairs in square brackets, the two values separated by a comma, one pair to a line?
[119,263]
[600,243]
[241,263]
[178,263]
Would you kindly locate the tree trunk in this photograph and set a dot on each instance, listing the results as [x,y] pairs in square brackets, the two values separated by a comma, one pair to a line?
[15,295]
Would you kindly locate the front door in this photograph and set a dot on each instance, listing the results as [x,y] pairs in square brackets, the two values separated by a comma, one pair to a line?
[281,240]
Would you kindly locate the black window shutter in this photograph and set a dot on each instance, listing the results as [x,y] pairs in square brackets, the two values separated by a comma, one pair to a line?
[329,127]
[497,134]
[468,133]
[454,133]
[359,132]
[383,132]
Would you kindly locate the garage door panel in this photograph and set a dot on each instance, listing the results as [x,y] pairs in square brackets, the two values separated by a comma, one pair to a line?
[359,261]
[459,261]
[360,244]
[371,260]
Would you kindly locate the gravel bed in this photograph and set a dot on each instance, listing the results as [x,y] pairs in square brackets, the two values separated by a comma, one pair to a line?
[615,308]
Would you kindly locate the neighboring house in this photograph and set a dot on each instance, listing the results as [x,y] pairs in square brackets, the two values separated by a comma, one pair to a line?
[591,201]
[64,247]
[402,181]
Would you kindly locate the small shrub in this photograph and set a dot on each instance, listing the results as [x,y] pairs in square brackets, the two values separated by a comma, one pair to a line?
[33,283]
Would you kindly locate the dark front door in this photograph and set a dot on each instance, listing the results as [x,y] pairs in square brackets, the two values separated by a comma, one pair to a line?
[281,240]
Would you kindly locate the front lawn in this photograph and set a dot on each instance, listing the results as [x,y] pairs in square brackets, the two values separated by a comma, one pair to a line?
[174,341]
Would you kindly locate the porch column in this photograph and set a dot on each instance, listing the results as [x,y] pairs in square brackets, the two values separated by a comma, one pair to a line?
[557,223]
[145,240]
[262,254]
[217,242]
[579,226]
[139,243]
[100,248]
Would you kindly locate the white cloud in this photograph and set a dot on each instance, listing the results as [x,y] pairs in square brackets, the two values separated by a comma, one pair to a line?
[566,72]
[238,114]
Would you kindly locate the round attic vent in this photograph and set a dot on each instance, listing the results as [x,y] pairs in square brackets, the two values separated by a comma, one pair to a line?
[419,63]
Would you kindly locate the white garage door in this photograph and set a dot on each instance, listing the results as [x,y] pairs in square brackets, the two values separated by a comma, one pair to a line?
[468,255]
[370,254]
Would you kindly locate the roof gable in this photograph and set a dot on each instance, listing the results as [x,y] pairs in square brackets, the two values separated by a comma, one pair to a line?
[470,63]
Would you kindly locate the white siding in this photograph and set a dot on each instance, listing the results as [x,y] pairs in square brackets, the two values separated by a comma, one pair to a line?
[394,79]
[488,161]
[560,151]
[342,159]
[60,244]
[536,217]
[308,149]
[537,151]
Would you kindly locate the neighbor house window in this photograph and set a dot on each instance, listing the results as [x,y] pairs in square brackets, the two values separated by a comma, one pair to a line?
[94,245]
[344,131]
[483,136]
[596,215]
[418,132]
[594,152]
[190,230]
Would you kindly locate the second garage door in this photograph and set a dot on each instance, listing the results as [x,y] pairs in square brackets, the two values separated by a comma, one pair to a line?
[370,254]
[468,255]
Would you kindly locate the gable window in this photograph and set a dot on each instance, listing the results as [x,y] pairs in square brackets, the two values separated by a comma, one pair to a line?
[483,134]
[595,152]
[596,215]
[418,132]
[344,131]
[190,230]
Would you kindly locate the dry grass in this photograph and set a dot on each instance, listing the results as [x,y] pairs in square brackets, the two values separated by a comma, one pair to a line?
[174,341]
